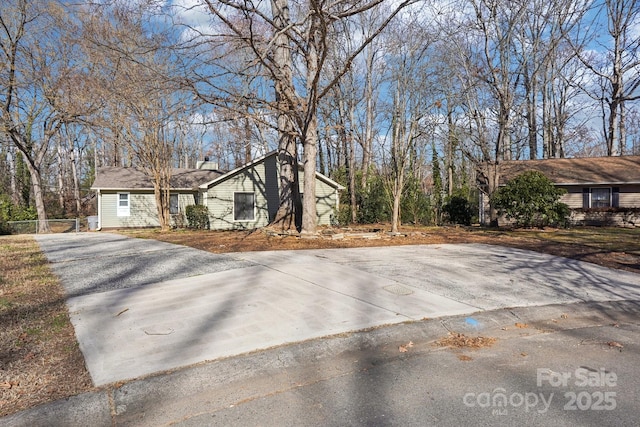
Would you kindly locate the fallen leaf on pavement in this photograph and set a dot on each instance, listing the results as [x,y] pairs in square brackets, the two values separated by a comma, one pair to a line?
[404,348]
[615,344]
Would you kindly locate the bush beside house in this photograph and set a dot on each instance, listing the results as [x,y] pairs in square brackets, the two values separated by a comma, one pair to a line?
[531,200]
[198,217]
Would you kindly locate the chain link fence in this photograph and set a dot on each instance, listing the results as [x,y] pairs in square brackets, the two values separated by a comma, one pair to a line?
[74,225]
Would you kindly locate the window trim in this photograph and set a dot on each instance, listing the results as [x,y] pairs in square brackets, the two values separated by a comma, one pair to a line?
[600,188]
[253,214]
[177,198]
[123,211]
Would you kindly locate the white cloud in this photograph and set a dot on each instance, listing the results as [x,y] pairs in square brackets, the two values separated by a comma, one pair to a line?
[193,13]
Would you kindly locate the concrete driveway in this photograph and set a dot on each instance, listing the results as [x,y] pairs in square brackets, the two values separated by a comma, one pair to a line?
[142,306]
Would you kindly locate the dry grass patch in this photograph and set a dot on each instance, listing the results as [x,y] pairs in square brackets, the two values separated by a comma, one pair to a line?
[609,247]
[40,359]
[457,340]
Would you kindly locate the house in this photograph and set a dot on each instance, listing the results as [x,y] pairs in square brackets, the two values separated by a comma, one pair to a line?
[126,197]
[600,190]
[244,198]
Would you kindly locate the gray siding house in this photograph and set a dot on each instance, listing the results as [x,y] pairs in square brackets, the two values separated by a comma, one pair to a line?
[600,190]
[244,198]
[126,198]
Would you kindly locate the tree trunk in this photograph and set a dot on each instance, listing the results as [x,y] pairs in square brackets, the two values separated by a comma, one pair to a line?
[309,208]
[13,175]
[353,199]
[34,172]
[38,196]
[310,133]
[612,131]
[532,116]
[76,182]
[288,215]
[451,147]
[395,211]
[369,119]
[60,158]
[622,130]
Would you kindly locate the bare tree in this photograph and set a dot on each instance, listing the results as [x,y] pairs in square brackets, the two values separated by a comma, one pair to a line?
[543,55]
[136,82]
[296,38]
[30,73]
[407,61]
[617,71]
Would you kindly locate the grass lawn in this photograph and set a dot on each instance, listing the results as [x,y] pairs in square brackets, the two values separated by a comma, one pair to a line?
[40,359]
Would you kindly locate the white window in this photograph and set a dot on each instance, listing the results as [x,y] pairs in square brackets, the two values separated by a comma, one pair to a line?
[124,203]
[600,197]
[173,204]
[243,206]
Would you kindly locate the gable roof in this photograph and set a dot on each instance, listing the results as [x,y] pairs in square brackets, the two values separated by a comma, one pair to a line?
[579,171]
[119,178]
[259,160]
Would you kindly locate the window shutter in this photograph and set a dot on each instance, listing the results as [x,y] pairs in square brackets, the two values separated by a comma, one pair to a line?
[585,198]
[615,197]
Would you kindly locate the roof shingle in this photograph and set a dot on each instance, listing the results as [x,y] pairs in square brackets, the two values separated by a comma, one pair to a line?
[119,178]
[579,171]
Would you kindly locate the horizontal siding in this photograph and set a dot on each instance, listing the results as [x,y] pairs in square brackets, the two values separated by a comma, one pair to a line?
[142,211]
[573,197]
[220,199]
[326,199]
[263,181]
[630,196]
[180,219]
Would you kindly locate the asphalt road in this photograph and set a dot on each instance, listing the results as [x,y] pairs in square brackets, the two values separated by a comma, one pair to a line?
[557,369]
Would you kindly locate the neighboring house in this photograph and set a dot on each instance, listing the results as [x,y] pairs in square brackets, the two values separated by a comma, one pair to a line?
[600,190]
[244,198]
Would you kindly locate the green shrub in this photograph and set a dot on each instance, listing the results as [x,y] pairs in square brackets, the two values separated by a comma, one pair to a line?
[11,212]
[4,227]
[531,199]
[198,217]
[458,210]
[374,203]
